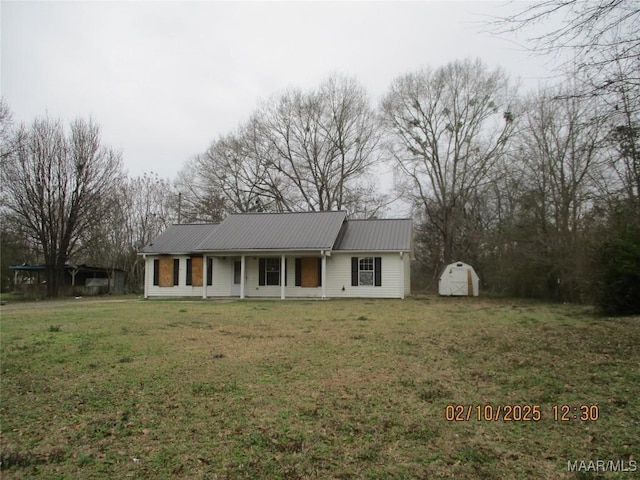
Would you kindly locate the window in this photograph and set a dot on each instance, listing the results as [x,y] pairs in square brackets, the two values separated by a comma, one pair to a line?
[272,271]
[269,271]
[366,271]
[237,272]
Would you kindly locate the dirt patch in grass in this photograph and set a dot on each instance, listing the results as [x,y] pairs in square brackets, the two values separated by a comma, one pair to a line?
[335,389]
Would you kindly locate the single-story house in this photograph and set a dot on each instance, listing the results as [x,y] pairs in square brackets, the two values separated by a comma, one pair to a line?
[308,254]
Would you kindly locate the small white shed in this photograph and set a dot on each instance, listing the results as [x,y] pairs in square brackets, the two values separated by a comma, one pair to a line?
[459,279]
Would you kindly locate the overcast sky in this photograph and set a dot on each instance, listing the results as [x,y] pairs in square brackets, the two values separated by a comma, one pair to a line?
[164,79]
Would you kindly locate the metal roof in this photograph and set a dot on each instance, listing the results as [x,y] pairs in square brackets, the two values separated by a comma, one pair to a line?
[276,231]
[376,235]
[68,266]
[182,238]
[285,231]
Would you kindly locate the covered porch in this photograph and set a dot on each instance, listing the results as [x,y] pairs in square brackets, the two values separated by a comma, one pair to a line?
[266,274]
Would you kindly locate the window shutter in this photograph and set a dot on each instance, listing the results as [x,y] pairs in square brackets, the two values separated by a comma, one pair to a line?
[285,272]
[176,271]
[209,271]
[319,271]
[298,272]
[189,270]
[156,271]
[237,272]
[378,271]
[261,271]
[354,271]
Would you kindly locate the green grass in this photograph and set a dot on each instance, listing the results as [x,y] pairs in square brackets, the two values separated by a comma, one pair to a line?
[332,389]
[13,297]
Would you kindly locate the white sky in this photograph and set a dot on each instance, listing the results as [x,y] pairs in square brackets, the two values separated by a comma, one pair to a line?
[164,79]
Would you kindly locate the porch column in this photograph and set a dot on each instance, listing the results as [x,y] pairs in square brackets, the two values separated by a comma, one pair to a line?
[204,276]
[283,276]
[242,270]
[324,275]
[146,276]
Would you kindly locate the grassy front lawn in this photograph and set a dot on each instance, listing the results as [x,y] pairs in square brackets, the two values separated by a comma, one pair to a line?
[315,389]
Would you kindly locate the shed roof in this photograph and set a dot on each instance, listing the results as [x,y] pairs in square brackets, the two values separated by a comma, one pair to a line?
[182,238]
[376,235]
[276,231]
[83,267]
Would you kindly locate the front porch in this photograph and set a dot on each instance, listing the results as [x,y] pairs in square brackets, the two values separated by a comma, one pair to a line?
[270,276]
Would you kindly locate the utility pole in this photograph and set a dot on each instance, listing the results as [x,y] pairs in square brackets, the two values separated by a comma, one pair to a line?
[179,207]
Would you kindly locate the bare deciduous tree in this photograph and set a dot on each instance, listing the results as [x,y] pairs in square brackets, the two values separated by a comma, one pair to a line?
[56,186]
[447,130]
[140,209]
[234,174]
[560,157]
[300,151]
[5,129]
[597,35]
[321,143]
[624,116]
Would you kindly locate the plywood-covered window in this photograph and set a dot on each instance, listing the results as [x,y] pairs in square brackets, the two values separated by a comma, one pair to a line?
[166,271]
[194,271]
[308,272]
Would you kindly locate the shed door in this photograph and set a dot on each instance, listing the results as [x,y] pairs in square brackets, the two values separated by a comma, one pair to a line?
[309,272]
[459,281]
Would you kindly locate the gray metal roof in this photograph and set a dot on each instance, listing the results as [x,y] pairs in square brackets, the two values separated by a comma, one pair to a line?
[376,235]
[183,238]
[285,231]
[276,231]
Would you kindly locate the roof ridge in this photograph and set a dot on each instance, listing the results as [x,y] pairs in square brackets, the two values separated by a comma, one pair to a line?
[287,213]
[194,223]
[376,219]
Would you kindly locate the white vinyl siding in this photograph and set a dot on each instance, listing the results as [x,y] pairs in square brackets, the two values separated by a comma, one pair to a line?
[180,290]
[221,273]
[395,278]
[252,289]
[407,273]
[339,276]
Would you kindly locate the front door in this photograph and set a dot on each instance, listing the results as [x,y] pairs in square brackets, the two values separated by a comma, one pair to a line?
[237,276]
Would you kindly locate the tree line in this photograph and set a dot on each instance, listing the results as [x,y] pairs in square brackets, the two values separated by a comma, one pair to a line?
[539,190]
[65,198]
